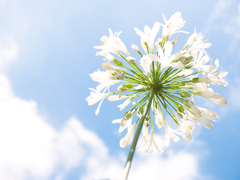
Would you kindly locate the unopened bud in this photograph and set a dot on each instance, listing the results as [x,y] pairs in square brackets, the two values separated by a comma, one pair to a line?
[180,114]
[148,118]
[188,103]
[135,48]
[117,62]
[128,85]
[110,67]
[131,59]
[128,115]
[122,89]
[183,94]
[140,110]
[195,80]
[180,108]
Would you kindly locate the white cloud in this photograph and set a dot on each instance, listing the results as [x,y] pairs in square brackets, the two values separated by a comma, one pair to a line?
[8,50]
[225,18]
[180,165]
[30,147]
[219,8]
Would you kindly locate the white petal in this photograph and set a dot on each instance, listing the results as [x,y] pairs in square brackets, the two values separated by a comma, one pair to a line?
[116,121]
[138,32]
[153,57]
[116,97]
[168,48]
[206,122]
[143,46]
[220,101]
[177,65]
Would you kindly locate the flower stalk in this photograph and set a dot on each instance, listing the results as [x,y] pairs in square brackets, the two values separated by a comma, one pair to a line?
[136,136]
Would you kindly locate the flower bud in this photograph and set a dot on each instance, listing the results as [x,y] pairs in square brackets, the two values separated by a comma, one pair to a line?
[131,59]
[140,111]
[110,67]
[195,80]
[186,60]
[135,48]
[148,118]
[188,103]
[122,89]
[128,85]
[158,41]
[117,62]
[128,115]
[118,75]
[180,108]
[180,114]
[104,39]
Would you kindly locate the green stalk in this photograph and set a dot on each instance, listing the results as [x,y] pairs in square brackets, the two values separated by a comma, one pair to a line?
[134,143]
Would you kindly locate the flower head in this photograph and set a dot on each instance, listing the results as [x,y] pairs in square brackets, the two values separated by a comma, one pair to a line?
[160,82]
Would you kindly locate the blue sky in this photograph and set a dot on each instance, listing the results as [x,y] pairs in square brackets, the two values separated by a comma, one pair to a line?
[46,56]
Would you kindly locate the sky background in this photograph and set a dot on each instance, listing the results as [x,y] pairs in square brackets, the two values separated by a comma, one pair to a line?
[47,130]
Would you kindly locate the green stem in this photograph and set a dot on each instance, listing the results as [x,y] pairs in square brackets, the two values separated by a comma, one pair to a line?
[134,143]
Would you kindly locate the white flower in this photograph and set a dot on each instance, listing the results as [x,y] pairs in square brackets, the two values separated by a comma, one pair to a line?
[96,96]
[199,45]
[125,123]
[112,44]
[165,81]
[127,139]
[209,94]
[191,39]
[186,128]
[159,118]
[170,134]
[197,115]
[145,129]
[105,78]
[100,76]
[200,62]
[108,57]
[172,25]
[110,67]
[106,84]
[148,36]
[127,102]
[201,90]
[208,113]
[146,62]
[116,97]
[149,143]
[166,58]
[185,72]
[210,78]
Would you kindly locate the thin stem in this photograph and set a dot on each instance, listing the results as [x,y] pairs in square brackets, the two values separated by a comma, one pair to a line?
[134,143]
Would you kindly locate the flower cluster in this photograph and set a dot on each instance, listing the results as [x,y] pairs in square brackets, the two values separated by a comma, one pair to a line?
[166,83]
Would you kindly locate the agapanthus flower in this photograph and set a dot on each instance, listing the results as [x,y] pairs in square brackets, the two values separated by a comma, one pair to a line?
[161,84]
